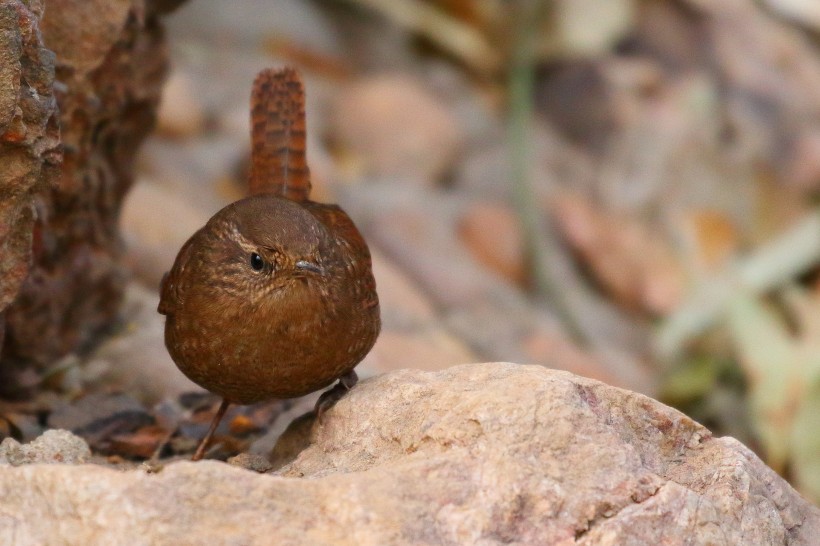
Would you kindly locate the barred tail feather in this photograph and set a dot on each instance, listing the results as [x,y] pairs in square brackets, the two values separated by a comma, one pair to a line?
[278,135]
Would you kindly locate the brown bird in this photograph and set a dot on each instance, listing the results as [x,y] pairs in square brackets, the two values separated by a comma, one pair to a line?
[274,297]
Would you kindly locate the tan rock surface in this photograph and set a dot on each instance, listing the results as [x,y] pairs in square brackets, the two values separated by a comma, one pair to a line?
[492,233]
[155,223]
[393,126]
[181,113]
[476,454]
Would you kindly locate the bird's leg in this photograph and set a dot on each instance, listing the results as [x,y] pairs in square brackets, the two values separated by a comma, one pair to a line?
[200,450]
[328,398]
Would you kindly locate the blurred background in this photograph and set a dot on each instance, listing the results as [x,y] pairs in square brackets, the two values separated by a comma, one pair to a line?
[624,189]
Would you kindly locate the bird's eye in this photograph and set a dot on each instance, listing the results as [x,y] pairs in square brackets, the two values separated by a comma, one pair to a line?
[257,263]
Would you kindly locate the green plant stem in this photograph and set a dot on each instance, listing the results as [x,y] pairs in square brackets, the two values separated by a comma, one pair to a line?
[792,253]
[528,18]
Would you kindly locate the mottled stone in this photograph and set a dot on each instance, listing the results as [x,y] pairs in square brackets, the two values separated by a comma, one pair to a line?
[29,137]
[477,454]
[53,446]
[107,76]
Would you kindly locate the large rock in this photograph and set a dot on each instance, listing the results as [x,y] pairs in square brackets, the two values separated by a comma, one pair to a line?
[29,138]
[106,73]
[476,454]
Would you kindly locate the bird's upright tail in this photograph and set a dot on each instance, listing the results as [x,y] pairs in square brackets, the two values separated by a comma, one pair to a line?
[278,135]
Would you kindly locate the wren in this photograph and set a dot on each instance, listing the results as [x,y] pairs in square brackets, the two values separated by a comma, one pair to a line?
[274,297]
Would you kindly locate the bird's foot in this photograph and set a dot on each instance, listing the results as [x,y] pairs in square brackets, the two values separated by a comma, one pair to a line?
[203,444]
[329,398]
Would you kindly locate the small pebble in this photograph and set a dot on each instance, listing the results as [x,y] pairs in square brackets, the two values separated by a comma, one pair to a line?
[250,461]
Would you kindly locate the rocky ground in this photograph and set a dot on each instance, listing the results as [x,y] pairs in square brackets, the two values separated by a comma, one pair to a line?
[475,454]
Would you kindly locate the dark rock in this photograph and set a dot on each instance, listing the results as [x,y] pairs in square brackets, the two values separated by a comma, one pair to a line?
[107,76]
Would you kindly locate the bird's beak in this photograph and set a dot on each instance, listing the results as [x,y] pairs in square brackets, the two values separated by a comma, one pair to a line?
[304,265]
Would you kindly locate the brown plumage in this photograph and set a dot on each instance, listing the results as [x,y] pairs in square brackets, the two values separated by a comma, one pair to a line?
[278,135]
[274,297]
